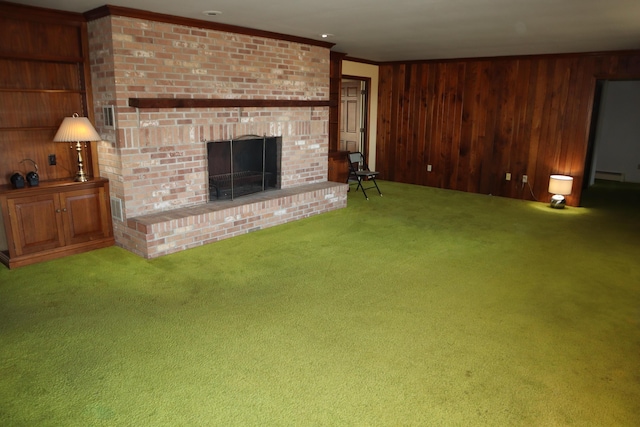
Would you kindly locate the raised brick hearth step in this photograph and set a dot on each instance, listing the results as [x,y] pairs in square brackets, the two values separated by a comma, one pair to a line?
[172,231]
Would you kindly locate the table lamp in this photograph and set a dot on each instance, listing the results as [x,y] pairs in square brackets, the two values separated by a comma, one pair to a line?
[77,129]
[559,186]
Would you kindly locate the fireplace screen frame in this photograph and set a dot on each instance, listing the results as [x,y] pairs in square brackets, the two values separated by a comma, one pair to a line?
[244,165]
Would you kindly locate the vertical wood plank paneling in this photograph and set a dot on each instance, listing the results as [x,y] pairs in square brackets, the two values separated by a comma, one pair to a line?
[383,159]
[568,116]
[581,116]
[565,84]
[550,123]
[421,142]
[395,135]
[335,94]
[476,119]
[488,176]
[445,123]
[521,135]
[413,155]
[504,87]
[405,137]
[479,111]
[539,97]
[432,178]
[455,119]
[441,139]
[467,128]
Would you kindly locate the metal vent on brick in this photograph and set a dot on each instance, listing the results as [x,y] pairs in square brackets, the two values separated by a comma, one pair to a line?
[116,209]
[109,116]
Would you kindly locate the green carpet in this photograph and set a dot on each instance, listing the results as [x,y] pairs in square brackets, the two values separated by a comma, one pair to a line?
[424,307]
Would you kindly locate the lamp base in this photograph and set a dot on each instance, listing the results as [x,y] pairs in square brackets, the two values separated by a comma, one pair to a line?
[81,177]
[558,202]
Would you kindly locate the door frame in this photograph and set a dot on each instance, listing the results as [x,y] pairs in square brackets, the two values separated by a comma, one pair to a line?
[365,110]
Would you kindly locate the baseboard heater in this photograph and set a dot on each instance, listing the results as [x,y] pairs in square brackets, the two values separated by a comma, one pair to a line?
[610,176]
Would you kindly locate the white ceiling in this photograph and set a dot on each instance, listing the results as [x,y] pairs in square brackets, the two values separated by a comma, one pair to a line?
[395,30]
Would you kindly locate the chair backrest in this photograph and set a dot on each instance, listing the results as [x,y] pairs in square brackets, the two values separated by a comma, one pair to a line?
[357,162]
[355,157]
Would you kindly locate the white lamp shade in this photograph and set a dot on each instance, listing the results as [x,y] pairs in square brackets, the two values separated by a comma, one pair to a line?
[76,129]
[560,184]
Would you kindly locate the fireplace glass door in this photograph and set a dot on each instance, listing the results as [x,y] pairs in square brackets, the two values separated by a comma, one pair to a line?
[243,166]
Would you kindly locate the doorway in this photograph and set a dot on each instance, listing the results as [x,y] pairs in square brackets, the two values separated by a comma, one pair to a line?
[354,115]
[614,136]
[614,143]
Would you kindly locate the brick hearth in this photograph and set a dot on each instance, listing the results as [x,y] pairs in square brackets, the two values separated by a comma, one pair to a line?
[172,231]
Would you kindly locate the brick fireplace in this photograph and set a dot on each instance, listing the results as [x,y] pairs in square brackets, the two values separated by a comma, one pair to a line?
[156,158]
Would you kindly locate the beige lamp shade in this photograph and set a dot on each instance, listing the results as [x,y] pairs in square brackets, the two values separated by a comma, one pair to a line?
[560,184]
[76,129]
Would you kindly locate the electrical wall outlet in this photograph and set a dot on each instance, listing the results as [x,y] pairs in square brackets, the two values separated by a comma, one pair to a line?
[52,159]
[508,177]
[428,168]
[525,179]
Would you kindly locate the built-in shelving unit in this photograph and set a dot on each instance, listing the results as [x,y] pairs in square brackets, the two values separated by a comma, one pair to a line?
[45,77]
[44,72]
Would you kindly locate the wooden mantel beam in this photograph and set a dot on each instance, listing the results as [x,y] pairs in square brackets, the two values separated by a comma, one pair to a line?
[225,103]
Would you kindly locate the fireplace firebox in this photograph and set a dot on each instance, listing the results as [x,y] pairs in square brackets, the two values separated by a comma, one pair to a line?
[242,166]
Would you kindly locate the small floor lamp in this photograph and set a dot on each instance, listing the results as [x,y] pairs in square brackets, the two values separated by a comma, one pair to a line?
[559,186]
[77,129]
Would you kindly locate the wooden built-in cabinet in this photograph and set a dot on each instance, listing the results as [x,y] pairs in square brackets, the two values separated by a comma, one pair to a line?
[338,166]
[54,219]
[45,77]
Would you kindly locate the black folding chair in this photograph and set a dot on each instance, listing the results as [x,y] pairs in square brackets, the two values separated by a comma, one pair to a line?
[359,172]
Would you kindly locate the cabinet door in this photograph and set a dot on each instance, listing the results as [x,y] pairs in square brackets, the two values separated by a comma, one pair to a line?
[338,167]
[85,215]
[36,224]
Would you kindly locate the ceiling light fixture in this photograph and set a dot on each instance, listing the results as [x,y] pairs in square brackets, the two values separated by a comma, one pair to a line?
[212,12]
[326,35]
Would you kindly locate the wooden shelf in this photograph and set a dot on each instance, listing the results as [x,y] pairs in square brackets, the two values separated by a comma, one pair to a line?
[224,103]
[29,129]
[12,90]
[43,57]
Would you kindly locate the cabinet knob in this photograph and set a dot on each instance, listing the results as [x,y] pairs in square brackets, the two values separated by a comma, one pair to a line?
[64,210]
[57,210]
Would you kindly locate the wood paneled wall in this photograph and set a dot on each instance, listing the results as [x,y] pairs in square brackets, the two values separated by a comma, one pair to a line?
[44,77]
[335,79]
[475,120]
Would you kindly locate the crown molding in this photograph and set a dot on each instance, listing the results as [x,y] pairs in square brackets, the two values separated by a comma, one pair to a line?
[109,10]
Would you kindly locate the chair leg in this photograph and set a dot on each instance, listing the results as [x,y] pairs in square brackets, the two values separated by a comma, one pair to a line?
[362,187]
[376,184]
